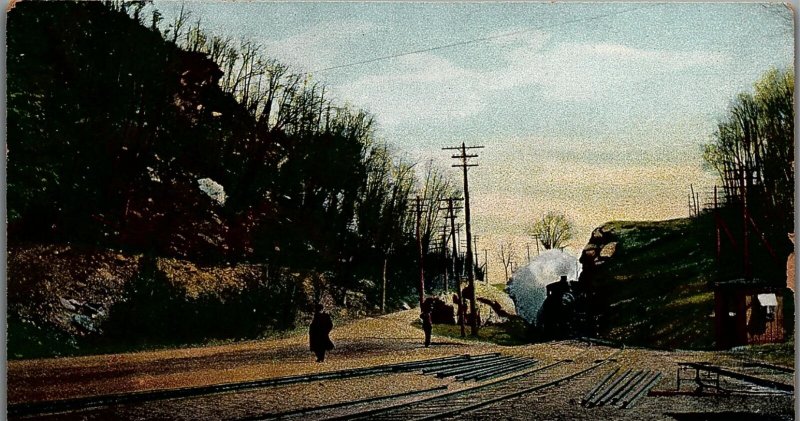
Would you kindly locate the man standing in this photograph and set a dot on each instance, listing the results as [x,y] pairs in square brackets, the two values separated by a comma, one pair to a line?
[427,324]
[321,326]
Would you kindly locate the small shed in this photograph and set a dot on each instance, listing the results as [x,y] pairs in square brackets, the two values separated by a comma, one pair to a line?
[747,312]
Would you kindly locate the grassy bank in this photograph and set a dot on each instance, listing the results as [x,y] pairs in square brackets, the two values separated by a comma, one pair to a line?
[510,333]
[657,288]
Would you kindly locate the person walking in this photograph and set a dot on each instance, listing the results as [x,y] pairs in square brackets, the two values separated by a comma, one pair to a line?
[321,326]
[427,325]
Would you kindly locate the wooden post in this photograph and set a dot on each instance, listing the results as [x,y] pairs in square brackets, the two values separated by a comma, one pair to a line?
[421,257]
[463,156]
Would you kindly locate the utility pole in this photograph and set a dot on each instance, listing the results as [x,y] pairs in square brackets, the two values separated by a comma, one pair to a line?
[452,217]
[486,265]
[383,290]
[536,237]
[444,254]
[745,183]
[418,210]
[459,240]
[475,249]
[463,156]
[528,248]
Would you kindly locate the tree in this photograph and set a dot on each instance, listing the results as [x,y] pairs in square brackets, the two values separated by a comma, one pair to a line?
[507,253]
[554,230]
[754,146]
[435,186]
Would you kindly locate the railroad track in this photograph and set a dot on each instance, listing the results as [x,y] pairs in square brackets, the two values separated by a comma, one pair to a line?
[470,399]
[84,403]
[489,370]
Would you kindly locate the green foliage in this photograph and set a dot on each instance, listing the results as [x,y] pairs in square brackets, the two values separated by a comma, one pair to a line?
[511,333]
[757,138]
[26,340]
[781,354]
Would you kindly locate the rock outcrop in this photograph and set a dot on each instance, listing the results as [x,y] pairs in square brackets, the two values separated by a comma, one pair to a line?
[603,245]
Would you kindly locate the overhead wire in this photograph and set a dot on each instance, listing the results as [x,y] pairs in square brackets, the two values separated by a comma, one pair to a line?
[481,39]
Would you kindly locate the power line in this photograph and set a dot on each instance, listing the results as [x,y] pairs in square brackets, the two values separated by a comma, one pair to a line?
[481,39]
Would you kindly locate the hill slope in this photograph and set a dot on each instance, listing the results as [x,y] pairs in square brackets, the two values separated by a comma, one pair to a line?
[652,282]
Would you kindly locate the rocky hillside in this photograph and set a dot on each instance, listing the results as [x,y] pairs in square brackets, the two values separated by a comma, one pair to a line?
[65,299]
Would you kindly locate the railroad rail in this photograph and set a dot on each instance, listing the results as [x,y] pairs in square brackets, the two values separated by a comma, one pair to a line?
[624,390]
[772,367]
[76,404]
[483,395]
[706,370]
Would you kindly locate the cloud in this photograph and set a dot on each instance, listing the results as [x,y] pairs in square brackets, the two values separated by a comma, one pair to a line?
[419,87]
[422,87]
[321,46]
[594,71]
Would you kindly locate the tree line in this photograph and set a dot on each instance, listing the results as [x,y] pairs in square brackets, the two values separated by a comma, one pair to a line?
[752,151]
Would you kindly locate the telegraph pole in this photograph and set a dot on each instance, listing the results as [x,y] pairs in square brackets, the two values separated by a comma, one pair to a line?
[452,217]
[463,156]
[486,265]
[444,253]
[418,211]
[475,249]
[528,247]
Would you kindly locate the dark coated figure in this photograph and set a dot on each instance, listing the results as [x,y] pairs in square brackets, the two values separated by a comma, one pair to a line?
[427,324]
[321,326]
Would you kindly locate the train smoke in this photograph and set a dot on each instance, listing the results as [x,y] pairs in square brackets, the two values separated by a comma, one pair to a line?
[528,285]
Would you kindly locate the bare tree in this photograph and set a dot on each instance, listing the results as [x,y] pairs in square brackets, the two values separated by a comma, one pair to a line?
[507,254]
[554,230]
[435,186]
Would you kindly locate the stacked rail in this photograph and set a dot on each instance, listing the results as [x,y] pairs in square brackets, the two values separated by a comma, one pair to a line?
[481,397]
[623,390]
[480,368]
[75,404]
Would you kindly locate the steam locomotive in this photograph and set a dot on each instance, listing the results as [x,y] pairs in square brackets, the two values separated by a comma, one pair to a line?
[563,313]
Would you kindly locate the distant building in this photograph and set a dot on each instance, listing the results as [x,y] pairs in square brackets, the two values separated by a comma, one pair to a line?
[748,312]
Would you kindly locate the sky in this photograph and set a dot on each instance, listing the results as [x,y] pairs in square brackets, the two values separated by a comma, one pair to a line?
[597,110]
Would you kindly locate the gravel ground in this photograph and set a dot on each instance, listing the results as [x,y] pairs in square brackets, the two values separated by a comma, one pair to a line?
[364,343]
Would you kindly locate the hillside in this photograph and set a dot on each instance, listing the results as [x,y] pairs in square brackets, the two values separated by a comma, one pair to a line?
[652,282]
[195,204]
[72,300]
